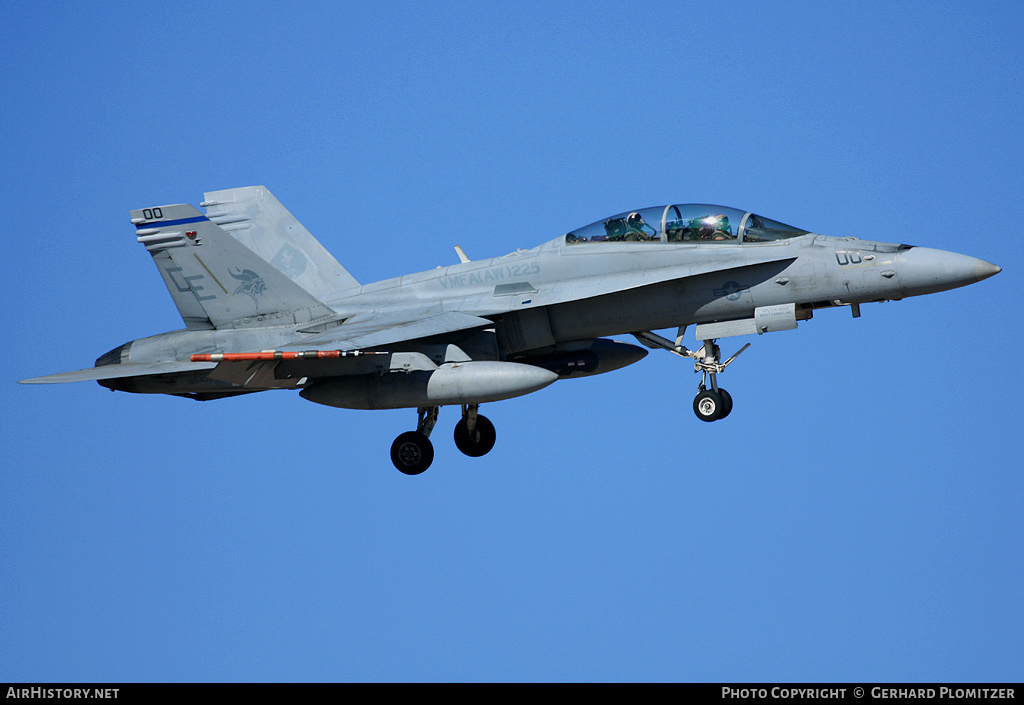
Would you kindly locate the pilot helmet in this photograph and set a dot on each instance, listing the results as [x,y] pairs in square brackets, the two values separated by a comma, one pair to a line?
[634,219]
[714,223]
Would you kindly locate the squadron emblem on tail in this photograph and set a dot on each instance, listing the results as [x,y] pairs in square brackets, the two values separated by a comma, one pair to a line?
[252,284]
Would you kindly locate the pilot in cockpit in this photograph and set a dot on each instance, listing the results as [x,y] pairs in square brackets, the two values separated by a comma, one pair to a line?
[712,227]
[630,228]
[635,225]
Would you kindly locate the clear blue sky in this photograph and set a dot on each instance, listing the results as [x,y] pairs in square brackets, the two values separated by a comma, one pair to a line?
[857,518]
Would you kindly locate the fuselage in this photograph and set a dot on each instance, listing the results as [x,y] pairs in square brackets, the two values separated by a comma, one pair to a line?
[612,278]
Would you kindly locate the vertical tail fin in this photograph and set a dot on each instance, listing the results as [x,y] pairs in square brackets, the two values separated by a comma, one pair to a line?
[258,220]
[216,281]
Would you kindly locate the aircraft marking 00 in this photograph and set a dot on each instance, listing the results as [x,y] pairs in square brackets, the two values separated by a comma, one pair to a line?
[266,307]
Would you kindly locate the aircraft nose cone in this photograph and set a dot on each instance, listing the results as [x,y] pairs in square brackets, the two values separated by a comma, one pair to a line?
[923,270]
[984,270]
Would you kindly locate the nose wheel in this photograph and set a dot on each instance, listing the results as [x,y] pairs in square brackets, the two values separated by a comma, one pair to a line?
[712,405]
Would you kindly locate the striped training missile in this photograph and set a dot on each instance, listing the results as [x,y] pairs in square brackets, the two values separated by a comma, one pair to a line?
[281,355]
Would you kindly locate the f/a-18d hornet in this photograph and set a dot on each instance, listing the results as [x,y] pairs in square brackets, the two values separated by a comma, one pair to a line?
[265,306]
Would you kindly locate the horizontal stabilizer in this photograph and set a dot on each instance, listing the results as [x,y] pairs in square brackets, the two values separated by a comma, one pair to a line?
[94,374]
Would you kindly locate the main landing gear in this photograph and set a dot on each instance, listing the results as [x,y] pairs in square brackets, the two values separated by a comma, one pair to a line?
[711,403]
[412,452]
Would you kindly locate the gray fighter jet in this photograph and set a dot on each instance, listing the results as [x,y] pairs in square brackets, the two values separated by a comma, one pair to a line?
[267,307]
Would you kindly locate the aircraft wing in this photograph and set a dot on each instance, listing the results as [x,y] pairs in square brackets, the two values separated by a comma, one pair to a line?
[95,374]
[365,330]
[373,329]
[339,351]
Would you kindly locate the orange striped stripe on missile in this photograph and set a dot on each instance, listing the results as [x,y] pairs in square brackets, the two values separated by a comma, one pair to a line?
[281,355]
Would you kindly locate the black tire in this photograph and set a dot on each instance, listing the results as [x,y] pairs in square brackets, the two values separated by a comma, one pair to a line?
[708,406]
[726,403]
[412,452]
[483,439]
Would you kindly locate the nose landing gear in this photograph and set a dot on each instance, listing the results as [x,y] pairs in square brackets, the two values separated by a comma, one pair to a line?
[714,403]
[711,404]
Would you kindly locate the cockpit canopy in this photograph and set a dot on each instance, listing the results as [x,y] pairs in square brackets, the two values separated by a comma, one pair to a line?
[690,222]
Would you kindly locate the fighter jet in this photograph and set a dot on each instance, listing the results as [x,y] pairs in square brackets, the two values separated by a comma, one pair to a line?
[265,306]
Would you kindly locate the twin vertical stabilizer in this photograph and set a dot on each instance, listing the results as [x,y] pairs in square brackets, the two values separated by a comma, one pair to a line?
[215,280]
[258,220]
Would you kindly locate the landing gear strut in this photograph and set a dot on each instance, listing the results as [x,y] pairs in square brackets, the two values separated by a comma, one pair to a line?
[412,452]
[711,404]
